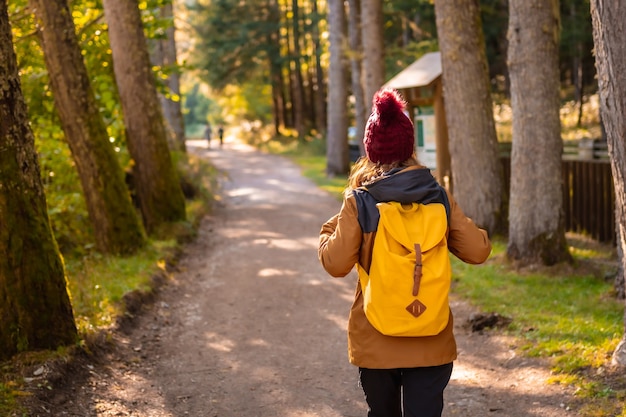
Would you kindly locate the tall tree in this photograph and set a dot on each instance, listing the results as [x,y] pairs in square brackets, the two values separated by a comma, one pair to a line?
[320,81]
[155,177]
[495,16]
[337,138]
[471,128]
[356,61]
[116,226]
[609,29]
[576,47]
[273,37]
[373,45]
[235,36]
[297,91]
[34,303]
[536,223]
[165,55]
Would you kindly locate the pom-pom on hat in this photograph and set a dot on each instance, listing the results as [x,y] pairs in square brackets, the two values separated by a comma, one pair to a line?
[389,133]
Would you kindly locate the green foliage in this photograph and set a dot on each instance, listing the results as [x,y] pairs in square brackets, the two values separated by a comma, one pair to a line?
[156,26]
[195,131]
[398,58]
[154,23]
[248,104]
[198,108]
[233,38]
[410,32]
[97,283]
[251,101]
[66,206]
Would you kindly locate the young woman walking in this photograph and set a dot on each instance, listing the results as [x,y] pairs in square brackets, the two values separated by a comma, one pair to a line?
[400,376]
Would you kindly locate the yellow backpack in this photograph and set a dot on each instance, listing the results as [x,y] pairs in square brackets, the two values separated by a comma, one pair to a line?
[406,290]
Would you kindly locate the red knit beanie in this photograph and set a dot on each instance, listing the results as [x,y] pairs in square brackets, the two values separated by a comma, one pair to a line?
[389,133]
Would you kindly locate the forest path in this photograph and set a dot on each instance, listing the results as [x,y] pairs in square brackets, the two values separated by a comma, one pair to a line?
[250,325]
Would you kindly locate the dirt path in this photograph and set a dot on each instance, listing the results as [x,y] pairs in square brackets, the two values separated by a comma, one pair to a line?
[251,326]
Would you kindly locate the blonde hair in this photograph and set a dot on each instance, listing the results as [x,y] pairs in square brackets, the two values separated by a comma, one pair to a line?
[364,171]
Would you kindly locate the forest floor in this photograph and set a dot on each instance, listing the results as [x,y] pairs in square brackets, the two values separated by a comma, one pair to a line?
[249,324]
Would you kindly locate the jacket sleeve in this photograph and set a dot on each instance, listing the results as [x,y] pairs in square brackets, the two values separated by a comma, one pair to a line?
[466,241]
[340,240]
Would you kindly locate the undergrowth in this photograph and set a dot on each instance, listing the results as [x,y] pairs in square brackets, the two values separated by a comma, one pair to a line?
[99,283]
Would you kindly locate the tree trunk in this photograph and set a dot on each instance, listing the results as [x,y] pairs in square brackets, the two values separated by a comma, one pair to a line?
[278,102]
[469,111]
[274,58]
[155,177]
[337,161]
[319,87]
[165,56]
[536,219]
[373,45]
[577,69]
[297,100]
[116,226]
[34,303]
[289,75]
[609,26]
[356,64]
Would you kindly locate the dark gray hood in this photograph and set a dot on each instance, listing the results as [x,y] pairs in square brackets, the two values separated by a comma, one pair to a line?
[405,186]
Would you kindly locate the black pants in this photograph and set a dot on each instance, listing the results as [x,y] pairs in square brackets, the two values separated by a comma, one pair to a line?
[417,391]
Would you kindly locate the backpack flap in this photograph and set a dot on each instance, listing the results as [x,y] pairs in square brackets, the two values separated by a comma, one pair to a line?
[403,296]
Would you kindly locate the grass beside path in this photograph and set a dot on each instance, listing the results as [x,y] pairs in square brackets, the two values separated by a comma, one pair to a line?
[567,314]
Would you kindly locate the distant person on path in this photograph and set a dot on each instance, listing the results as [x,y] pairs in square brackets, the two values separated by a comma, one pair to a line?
[400,375]
[220,132]
[207,134]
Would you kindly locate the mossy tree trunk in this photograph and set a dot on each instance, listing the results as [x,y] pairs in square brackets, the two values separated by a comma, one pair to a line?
[469,112]
[35,308]
[115,222]
[609,27]
[536,215]
[155,177]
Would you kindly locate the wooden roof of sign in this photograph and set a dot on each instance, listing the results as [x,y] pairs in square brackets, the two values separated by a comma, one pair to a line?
[419,74]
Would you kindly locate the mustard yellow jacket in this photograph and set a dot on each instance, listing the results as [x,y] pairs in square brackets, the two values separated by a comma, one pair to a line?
[343,243]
